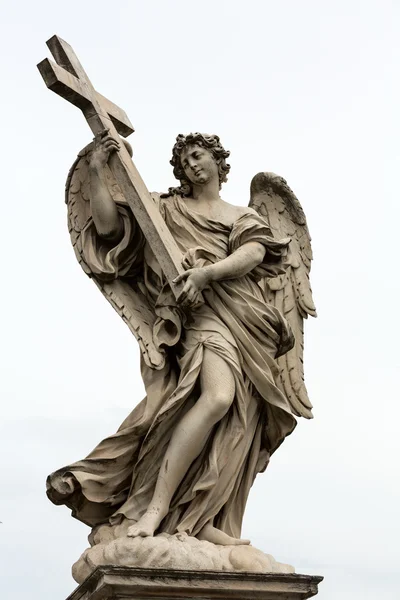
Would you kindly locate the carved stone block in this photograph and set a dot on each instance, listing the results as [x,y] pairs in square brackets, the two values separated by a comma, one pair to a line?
[128,583]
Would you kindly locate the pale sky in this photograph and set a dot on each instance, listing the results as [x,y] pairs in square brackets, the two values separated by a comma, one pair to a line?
[307,89]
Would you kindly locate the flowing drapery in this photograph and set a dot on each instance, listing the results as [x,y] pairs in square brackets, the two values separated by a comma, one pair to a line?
[117,479]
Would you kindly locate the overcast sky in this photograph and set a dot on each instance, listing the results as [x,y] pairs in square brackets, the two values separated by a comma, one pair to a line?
[308,89]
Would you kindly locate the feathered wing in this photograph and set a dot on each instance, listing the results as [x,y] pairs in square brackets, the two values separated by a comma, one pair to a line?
[125,297]
[291,293]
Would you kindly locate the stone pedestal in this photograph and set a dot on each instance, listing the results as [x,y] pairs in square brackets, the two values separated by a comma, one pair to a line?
[130,583]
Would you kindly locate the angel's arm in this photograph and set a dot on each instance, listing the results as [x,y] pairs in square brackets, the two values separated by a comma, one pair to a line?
[105,214]
[243,260]
[239,263]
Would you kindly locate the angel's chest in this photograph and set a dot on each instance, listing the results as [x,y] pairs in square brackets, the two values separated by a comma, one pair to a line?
[192,234]
[192,237]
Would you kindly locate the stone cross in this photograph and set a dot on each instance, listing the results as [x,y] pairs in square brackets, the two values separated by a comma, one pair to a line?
[68,79]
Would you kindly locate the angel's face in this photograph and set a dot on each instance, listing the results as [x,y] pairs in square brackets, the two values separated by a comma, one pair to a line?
[199,164]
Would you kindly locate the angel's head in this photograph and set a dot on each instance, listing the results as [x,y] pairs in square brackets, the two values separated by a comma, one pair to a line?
[195,157]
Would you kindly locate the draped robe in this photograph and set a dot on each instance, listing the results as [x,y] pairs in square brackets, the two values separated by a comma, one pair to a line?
[117,479]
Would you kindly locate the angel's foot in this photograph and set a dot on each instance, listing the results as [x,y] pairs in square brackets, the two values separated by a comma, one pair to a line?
[216,536]
[147,524]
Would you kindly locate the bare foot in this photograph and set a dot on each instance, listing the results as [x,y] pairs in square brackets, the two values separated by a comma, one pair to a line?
[216,536]
[147,524]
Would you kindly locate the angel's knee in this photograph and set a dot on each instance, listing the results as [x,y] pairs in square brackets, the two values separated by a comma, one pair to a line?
[215,405]
[217,386]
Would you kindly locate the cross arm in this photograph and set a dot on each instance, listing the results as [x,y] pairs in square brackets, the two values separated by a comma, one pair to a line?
[67,78]
[64,84]
[72,89]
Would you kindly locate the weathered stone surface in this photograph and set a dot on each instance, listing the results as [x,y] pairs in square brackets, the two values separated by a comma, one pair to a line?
[178,551]
[216,295]
[140,584]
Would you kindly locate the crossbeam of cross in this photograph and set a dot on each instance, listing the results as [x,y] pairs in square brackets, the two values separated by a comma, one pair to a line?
[67,78]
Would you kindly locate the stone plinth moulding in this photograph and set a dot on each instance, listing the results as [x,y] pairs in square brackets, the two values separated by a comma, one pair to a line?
[128,583]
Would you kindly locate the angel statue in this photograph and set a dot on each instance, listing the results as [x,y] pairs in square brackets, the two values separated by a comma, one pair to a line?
[221,364]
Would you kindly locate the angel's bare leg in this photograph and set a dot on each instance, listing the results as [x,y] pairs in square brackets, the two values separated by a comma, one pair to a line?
[188,440]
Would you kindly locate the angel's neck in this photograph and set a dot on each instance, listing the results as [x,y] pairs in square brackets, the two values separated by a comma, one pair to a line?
[207,193]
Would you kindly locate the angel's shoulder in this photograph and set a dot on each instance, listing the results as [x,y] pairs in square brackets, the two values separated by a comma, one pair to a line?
[246,210]
[234,213]
[241,211]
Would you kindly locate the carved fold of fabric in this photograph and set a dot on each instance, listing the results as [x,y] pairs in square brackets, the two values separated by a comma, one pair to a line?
[108,261]
[118,478]
[167,328]
[94,487]
[198,257]
[253,228]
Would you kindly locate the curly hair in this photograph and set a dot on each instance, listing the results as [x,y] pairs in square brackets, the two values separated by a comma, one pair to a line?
[209,142]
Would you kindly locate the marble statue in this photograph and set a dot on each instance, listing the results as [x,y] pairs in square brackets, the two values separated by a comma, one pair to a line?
[221,345]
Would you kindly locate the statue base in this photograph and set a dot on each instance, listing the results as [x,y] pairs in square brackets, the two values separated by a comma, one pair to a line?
[130,583]
[170,552]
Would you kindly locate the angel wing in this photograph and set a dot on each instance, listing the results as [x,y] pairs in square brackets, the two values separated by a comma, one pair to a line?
[125,297]
[291,293]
